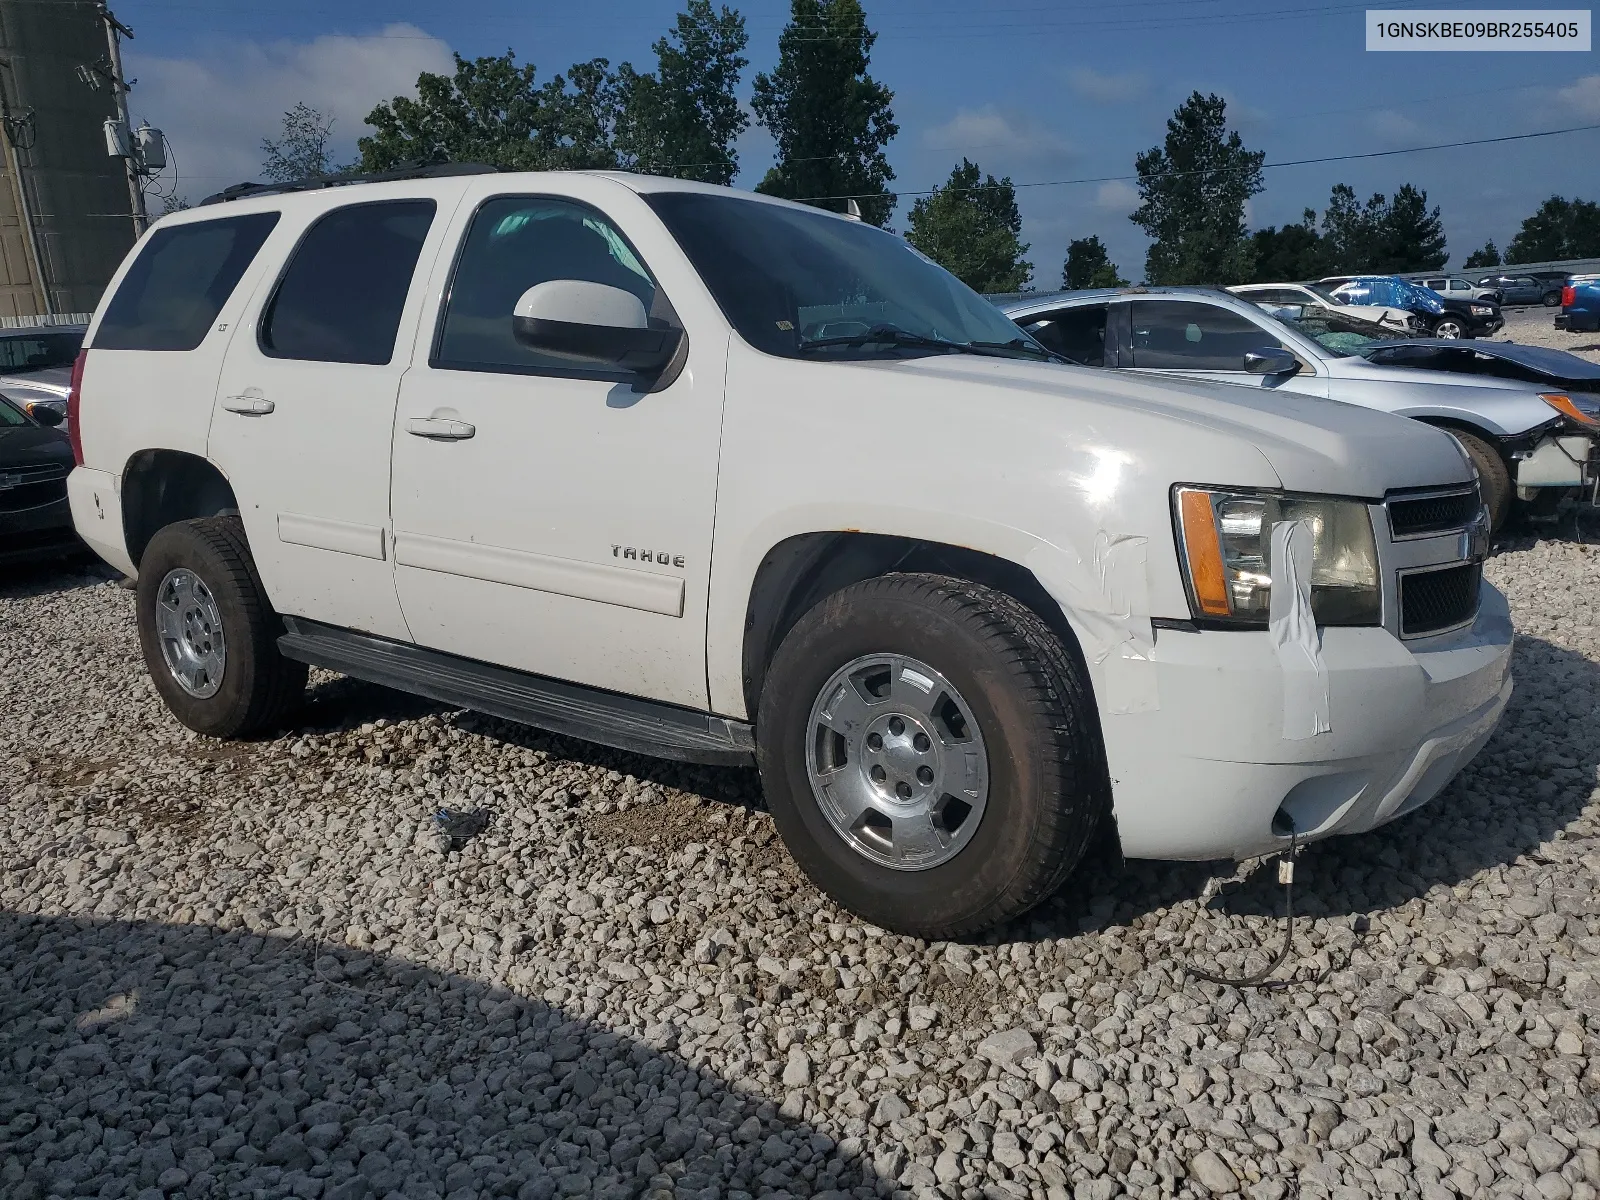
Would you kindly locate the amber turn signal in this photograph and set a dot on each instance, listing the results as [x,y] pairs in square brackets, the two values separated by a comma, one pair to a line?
[1203,550]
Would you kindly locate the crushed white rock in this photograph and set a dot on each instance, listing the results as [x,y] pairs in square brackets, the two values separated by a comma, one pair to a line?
[255,969]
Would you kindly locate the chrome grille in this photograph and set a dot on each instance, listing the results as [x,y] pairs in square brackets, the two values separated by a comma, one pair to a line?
[29,487]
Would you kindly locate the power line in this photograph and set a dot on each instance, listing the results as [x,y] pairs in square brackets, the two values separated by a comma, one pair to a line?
[1298,162]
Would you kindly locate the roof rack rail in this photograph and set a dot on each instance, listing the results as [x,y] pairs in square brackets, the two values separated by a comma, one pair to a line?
[405,170]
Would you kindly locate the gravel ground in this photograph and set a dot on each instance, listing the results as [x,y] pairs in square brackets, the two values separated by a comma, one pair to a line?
[1535,326]
[260,969]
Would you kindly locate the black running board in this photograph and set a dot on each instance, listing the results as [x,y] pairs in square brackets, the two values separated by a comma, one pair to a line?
[625,722]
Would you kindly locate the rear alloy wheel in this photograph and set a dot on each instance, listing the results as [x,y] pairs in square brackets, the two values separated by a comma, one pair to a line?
[1552,300]
[930,751]
[1449,327]
[209,636]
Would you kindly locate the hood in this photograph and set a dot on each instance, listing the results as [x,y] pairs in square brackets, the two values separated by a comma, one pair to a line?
[1494,360]
[1312,444]
[33,446]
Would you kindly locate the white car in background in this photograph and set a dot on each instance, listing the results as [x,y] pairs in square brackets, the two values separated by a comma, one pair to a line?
[1453,287]
[1299,293]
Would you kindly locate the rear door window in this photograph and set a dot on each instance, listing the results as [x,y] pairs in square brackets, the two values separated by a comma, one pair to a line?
[1187,336]
[1075,333]
[180,281]
[342,294]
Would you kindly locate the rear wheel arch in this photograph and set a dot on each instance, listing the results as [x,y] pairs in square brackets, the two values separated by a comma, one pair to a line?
[162,487]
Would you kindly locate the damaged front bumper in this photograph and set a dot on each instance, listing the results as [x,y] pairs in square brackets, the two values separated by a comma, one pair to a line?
[1208,774]
[1558,460]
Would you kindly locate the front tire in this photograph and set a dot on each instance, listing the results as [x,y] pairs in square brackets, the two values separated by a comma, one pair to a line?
[209,636]
[1552,300]
[1494,478]
[931,754]
[1450,328]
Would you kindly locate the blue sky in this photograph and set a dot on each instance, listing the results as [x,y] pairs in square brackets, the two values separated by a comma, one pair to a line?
[1040,90]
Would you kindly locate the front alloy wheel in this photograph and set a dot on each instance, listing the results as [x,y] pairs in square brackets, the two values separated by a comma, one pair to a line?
[897,762]
[1450,329]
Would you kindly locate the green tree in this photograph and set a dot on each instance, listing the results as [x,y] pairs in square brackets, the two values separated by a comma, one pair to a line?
[1295,251]
[970,227]
[1489,256]
[1559,229]
[1412,237]
[831,119]
[682,120]
[301,149]
[1088,265]
[1384,235]
[1351,231]
[492,111]
[1194,189]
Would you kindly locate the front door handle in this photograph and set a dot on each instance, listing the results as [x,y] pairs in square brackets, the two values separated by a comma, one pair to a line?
[439,429]
[249,404]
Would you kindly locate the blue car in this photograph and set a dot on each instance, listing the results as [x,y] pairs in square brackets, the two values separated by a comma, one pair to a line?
[1580,304]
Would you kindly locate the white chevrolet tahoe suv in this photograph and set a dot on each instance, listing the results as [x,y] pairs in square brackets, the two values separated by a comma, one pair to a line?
[721,478]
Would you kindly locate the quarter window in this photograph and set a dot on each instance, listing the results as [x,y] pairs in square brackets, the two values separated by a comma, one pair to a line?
[1182,335]
[341,297]
[514,243]
[179,283]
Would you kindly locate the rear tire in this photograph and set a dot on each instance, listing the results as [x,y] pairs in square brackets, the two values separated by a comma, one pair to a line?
[209,636]
[1034,772]
[1552,300]
[1494,478]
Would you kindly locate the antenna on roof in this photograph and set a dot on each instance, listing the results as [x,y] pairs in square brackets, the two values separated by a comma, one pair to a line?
[852,210]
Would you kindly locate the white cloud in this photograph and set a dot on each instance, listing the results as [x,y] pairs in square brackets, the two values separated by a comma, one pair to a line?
[1116,196]
[1582,97]
[1105,87]
[1394,128]
[216,107]
[987,136]
[1247,119]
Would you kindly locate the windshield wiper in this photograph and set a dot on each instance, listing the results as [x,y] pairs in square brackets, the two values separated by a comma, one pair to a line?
[893,335]
[1023,346]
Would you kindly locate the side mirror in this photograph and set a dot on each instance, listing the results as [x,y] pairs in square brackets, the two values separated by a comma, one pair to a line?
[592,324]
[1271,360]
[45,415]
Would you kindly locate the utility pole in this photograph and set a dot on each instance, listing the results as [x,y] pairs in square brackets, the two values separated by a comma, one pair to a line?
[115,30]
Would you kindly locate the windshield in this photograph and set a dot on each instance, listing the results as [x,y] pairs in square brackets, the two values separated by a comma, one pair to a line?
[10,415]
[1340,335]
[34,351]
[802,283]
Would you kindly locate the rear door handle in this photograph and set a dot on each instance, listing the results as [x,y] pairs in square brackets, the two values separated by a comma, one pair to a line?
[439,429]
[249,405]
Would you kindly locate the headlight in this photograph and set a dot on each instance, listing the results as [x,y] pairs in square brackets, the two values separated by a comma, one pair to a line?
[1585,410]
[1227,551]
[1481,310]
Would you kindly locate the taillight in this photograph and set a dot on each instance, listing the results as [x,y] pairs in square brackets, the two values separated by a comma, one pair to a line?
[74,400]
[1569,296]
